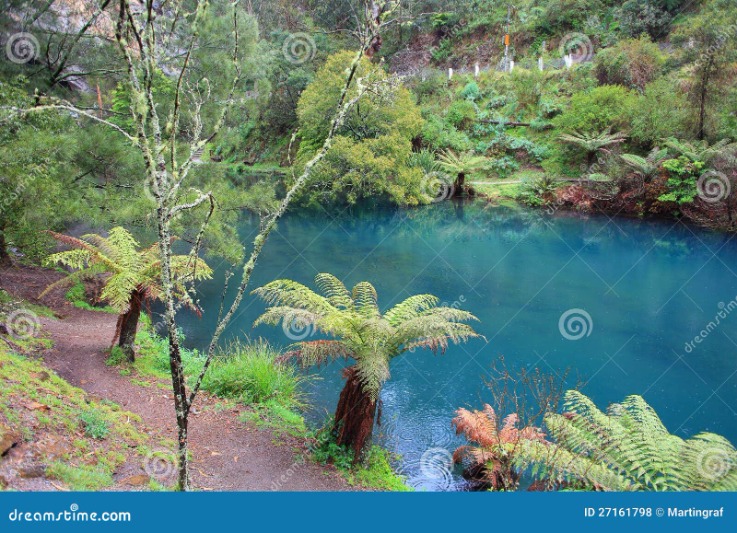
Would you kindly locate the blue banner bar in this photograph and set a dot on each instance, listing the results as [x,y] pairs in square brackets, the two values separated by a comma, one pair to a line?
[358,512]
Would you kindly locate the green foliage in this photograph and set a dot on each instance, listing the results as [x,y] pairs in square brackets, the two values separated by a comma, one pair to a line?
[632,63]
[627,449]
[440,135]
[369,155]
[362,333]
[80,478]
[461,114]
[608,107]
[131,269]
[683,173]
[659,112]
[375,472]
[471,91]
[252,373]
[95,426]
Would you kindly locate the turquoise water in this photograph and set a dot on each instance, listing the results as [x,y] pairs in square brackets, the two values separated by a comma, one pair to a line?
[648,287]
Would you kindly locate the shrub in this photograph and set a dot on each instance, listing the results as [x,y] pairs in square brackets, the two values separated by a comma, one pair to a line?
[633,63]
[600,109]
[461,114]
[471,91]
[252,373]
[659,112]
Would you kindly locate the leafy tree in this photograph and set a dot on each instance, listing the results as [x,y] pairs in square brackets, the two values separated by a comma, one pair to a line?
[653,17]
[365,335]
[389,111]
[37,176]
[626,449]
[658,112]
[710,45]
[132,276]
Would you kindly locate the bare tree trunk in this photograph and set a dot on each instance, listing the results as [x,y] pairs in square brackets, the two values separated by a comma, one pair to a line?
[355,415]
[129,326]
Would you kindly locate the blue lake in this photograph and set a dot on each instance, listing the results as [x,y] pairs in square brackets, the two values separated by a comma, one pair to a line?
[644,289]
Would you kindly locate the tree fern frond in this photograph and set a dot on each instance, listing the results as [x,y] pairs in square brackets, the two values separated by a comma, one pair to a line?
[365,300]
[318,352]
[334,290]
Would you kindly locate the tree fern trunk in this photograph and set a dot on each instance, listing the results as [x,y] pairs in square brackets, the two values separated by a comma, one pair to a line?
[129,326]
[355,415]
[459,185]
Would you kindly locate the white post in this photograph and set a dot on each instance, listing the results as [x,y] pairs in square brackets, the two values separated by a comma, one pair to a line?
[568,60]
[476,70]
[511,65]
[450,73]
[540,64]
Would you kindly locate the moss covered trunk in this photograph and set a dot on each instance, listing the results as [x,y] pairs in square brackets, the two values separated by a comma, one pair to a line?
[355,415]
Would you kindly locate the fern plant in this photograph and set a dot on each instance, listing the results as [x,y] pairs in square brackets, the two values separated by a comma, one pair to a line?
[648,166]
[490,461]
[626,449]
[461,165]
[698,150]
[132,275]
[591,143]
[363,334]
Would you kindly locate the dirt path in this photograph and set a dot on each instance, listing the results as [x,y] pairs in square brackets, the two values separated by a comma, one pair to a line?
[227,454]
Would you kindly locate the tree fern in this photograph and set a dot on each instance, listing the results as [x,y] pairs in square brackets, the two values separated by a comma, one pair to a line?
[361,333]
[627,448]
[132,275]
